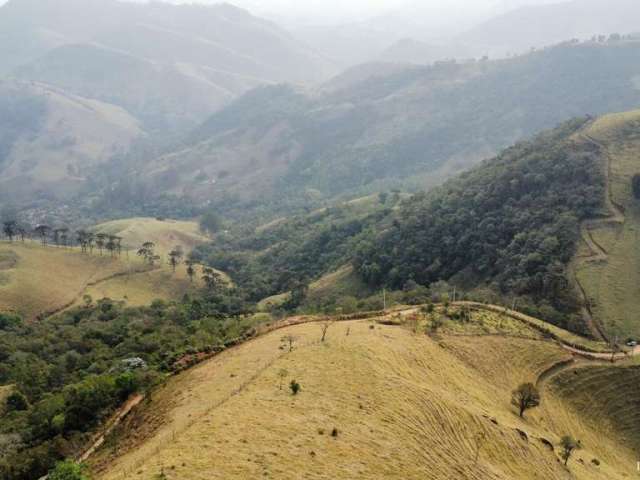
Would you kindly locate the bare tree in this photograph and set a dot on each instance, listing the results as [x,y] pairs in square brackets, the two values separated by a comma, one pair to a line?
[526,396]
[324,327]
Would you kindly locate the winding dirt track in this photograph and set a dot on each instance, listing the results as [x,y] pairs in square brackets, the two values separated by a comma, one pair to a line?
[598,254]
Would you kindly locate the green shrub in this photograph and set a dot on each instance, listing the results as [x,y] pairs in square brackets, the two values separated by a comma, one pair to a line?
[295,387]
[68,471]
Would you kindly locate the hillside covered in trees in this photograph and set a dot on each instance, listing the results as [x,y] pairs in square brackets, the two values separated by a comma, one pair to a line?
[508,227]
[384,127]
[513,225]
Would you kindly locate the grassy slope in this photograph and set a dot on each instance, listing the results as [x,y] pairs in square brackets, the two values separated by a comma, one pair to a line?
[40,280]
[405,407]
[613,286]
[36,280]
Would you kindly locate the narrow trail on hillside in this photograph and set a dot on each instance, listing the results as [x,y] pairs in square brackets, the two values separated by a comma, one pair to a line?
[598,254]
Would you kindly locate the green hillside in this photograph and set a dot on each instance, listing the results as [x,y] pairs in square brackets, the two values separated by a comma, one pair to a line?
[550,224]
[608,265]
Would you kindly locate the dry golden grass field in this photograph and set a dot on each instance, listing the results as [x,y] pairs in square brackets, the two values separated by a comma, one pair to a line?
[403,405]
[36,281]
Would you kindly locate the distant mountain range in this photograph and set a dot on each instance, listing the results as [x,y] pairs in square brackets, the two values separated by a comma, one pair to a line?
[382,126]
[170,66]
[89,78]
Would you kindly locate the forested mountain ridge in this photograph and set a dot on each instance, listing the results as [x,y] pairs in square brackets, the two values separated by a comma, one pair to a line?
[512,225]
[508,228]
[415,126]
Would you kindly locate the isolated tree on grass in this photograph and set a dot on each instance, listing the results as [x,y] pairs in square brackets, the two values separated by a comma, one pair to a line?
[295,387]
[175,257]
[43,233]
[526,396]
[324,327]
[568,444]
[10,229]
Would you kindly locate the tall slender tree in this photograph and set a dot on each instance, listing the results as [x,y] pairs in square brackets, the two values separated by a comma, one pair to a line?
[82,239]
[101,241]
[175,257]
[43,232]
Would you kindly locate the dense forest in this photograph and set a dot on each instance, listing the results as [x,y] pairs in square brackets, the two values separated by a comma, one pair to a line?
[68,372]
[511,224]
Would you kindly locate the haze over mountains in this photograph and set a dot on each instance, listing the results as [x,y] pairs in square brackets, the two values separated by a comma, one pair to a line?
[382,232]
[375,128]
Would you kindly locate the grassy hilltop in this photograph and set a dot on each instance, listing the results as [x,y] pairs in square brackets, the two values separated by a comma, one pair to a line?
[37,280]
[403,405]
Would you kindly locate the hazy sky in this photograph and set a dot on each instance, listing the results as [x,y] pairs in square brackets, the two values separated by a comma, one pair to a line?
[336,11]
[345,10]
